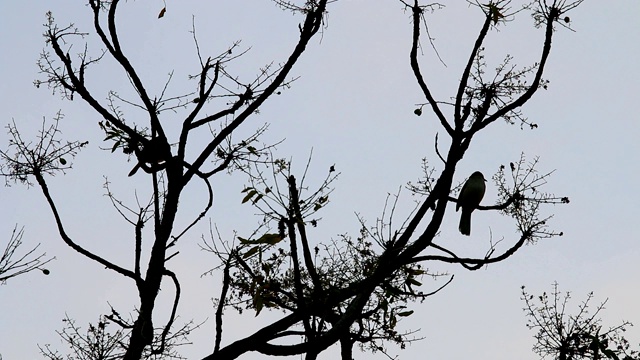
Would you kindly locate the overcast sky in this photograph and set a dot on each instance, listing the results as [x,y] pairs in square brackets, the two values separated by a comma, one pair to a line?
[353,104]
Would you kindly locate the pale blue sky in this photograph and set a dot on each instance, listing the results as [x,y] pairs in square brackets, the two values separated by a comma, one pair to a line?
[354,105]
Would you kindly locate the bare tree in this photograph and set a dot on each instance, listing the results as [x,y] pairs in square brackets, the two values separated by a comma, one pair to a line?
[351,291]
[564,335]
[98,342]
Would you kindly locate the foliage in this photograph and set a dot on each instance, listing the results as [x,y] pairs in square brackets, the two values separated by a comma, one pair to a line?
[47,156]
[581,335]
[100,343]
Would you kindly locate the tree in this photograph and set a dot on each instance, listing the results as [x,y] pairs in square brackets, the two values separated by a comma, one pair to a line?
[350,291]
[567,336]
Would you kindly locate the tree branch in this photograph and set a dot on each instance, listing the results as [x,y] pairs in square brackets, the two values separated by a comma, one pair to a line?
[73,245]
[415,66]
[312,24]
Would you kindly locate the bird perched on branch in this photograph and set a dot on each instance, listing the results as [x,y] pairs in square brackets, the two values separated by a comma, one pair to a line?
[153,152]
[470,196]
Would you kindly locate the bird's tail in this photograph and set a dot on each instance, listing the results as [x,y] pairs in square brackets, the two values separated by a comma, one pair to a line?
[465,222]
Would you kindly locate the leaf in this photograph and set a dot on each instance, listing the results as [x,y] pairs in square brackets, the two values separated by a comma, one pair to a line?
[321,201]
[391,291]
[257,198]
[258,303]
[115,145]
[246,189]
[610,354]
[405,313]
[268,239]
[393,321]
[164,9]
[266,268]
[63,161]
[412,281]
[249,196]
[251,251]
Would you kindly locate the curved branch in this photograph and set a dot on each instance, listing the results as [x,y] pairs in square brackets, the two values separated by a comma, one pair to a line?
[172,318]
[417,12]
[73,245]
[440,288]
[200,216]
[253,342]
[477,263]
[459,120]
[438,150]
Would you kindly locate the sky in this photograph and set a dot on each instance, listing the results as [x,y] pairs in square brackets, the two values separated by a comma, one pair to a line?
[352,106]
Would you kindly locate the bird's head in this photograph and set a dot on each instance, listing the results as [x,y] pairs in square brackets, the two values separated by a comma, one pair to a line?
[477,175]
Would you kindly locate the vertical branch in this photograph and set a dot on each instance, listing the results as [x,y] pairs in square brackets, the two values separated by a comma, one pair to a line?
[291,221]
[346,348]
[417,13]
[139,226]
[459,119]
[226,279]
[203,94]
[156,203]
[295,207]
[118,54]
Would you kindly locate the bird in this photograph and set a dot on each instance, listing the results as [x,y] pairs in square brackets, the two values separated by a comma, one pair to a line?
[155,151]
[470,196]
